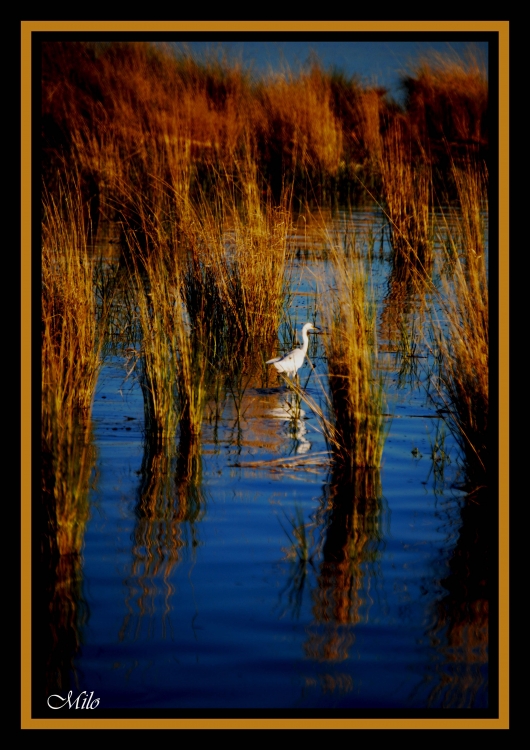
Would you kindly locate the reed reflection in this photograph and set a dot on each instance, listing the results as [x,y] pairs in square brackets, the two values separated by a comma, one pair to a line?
[404,307]
[459,629]
[68,459]
[170,502]
[351,518]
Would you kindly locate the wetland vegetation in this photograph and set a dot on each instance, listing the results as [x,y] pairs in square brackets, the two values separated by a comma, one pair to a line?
[193,219]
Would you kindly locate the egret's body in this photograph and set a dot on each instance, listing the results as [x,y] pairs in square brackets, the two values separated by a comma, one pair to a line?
[291,362]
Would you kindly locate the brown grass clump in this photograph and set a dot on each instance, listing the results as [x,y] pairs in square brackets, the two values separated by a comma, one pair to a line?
[210,284]
[369,107]
[403,176]
[352,418]
[406,185]
[447,101]
[462,335]
[72,340]
[172,355]
[236,262]
[356,388]
[131,110]
[159,316]
[116,108]
[298,123]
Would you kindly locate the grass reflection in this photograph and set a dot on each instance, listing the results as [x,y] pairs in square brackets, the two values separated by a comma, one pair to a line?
[170,502]
[459,630]
[352,533]
[57,583]
[345,537]
[300,554]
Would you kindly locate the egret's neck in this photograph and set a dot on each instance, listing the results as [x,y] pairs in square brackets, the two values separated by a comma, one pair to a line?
[305,339]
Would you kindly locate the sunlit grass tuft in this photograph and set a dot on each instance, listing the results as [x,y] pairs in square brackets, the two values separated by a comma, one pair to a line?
[462,333]
[447,98]
[236,269]
[355,385]
[173,355]
[72,338]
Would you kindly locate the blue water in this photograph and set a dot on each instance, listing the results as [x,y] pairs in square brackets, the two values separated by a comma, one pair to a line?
[198,599]
[228,619]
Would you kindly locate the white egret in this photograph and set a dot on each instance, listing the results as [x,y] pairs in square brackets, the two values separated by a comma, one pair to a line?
[290,363]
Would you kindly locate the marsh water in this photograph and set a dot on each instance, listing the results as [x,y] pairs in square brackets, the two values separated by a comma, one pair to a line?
[261,578]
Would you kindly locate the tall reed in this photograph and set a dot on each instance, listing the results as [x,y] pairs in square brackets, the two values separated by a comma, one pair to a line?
[72,341]
[173,353]
[257,261]
[296,128]
[210,280]
[447,104]
[350,410]
[158,318]
[236,267]
[406,187]
[72,337]
[355,385]
[462,332]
